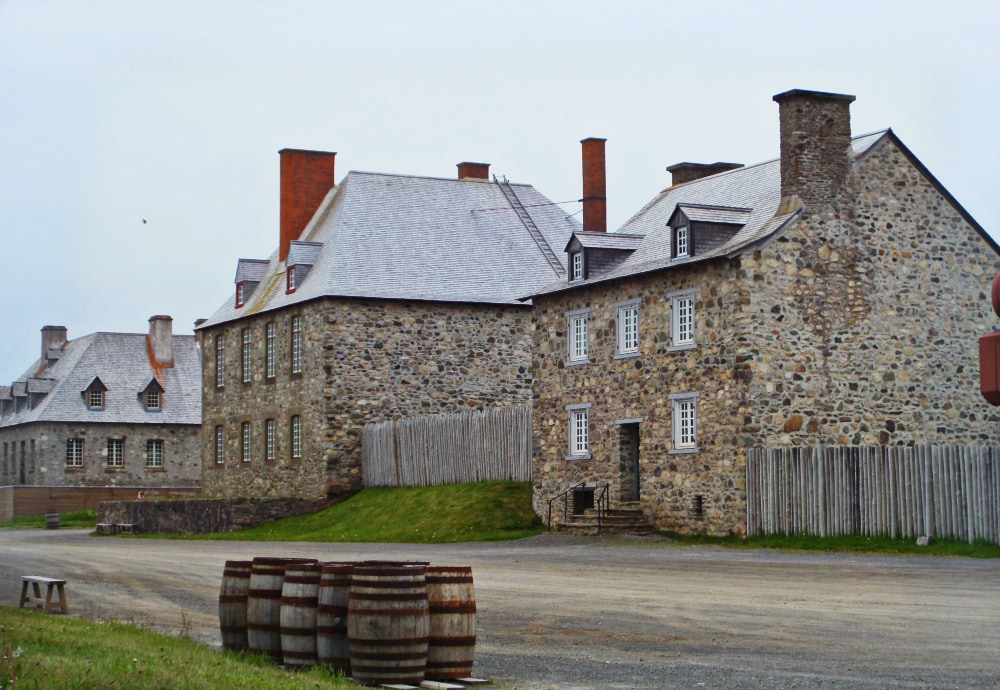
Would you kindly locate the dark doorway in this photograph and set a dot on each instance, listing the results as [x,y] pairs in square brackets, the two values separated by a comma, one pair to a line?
[628,461]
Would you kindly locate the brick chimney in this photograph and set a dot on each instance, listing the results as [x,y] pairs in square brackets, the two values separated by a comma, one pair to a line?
[53,338]
[688,172]
[473,171]
[815,145]
[160,341]
[595,194]
[306,177]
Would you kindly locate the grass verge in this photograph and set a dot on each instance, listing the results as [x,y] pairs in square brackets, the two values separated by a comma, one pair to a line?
[79,519]
[44,651]
[847,544]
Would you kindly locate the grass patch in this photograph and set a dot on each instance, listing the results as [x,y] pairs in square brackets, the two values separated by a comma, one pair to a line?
[43,651]
[78,519]
[847,544]
[481,511]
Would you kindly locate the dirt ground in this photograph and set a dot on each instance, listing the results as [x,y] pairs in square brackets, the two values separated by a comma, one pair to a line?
[558,611]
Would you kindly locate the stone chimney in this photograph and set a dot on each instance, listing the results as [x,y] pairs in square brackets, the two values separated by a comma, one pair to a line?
[815,145]
[473,171]
[688,172]
[53,338]
[306,177]
[160,341]
[595,194]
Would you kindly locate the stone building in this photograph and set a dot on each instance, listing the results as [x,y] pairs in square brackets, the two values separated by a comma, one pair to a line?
[389,296]
[107,409]
[831,296]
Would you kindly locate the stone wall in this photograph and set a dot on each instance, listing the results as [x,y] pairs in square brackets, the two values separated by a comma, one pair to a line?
[364,361]
[44,460]
[204,516]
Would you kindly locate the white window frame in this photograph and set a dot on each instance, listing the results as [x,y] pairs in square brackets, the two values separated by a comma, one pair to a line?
[627,329]
[220,361]
[682,241]
[297,344]
[247,355]
[116,452]
[579,431]
[296,434]
[220,445]
[152,400]
[270,439]
[684,425]
[578,337]
[576,265]
[154,453]
[246,442]
[239,295]
[682,320]
[291,280]
[74,452]
[270,359]
[95,399]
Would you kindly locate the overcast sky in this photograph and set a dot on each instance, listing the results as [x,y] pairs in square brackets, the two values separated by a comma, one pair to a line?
[173,112]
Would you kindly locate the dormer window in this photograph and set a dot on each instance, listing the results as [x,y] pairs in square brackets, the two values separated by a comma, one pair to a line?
[249,273]
[302,257]
[682,242]
[93,395]
[152,396]
[239,295]
[291,280]
[576,266]
[152,400]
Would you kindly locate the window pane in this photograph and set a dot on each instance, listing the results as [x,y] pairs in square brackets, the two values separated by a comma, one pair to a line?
[220,445]
[154,453]
[271,438]
[246,441]
[270,363]
[578,336]
[247,356]
[296,344]
[220,360]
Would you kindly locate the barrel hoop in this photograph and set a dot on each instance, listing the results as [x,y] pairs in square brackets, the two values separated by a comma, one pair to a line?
[366,613]
[306,602]
[388,584]
[307,631]
[394,596]
[289,654]
[331,629]
[264,627]
[382,642]
[264,594]
[389,669]
[232,598]
[438,580]
[333,610]
[452,608]
[453,641]
[233,628]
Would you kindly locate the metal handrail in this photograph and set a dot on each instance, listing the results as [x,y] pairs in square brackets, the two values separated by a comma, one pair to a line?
[602,503]
[563,496]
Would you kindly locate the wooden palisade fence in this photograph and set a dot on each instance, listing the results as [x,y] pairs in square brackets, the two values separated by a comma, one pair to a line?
[948,492]
[448,449]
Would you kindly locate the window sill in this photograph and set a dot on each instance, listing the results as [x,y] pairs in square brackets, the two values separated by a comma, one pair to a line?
[74,468]
[627,355]
[680,348]
[682,451]
[155,469]
[577,362]
[579,457]
[116,469]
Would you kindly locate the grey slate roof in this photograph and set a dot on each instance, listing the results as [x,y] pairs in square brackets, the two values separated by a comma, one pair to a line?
[303,253]
[606,240]
[418,238]
[121,361]
[716,214]
[753,193]
[251,270]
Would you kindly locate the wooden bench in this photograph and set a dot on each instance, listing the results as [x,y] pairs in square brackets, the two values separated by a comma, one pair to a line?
[36,598]
[105,528]
[127,528]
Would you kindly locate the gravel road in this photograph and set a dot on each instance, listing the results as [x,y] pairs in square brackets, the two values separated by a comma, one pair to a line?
[559,611]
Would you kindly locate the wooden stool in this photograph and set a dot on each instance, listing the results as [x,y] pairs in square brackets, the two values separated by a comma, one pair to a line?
[45,603]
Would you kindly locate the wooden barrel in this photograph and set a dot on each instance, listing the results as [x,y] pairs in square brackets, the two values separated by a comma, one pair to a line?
[267,575]
[51,520]
[297,619]
[233,604]
[452,606]
[331,616]
[388,624]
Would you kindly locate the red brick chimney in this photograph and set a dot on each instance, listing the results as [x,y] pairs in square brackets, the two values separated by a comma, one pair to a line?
[473,171]
[815,145]
[595,194]
[306,177]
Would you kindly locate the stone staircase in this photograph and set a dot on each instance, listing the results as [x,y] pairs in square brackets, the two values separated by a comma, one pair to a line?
[626,519]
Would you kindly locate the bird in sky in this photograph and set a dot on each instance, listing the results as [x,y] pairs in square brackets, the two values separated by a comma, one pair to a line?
[143,221]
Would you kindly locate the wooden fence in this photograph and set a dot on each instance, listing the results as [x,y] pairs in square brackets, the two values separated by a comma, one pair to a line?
[448,449]
[944,491]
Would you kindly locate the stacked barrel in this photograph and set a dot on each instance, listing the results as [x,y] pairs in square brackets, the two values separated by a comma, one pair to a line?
[381,622]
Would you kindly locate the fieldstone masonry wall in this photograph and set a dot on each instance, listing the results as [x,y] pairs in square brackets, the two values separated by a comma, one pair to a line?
[858,326]
[203,516]
[364,361]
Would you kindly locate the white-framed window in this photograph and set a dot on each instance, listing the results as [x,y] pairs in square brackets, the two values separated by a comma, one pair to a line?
[239,295]
[154,452]
[247,356]
[682,320]
[579,431]
[577,332]
[628,328]
[152,400]
[220,446]
[296,344]
[220,361]
[576,266]
[685,422]
[74,452]
[291,279]
[270,361]
[246,442]
[95,399]
[682,241]
[270,439]
[116,452]
[296,434]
